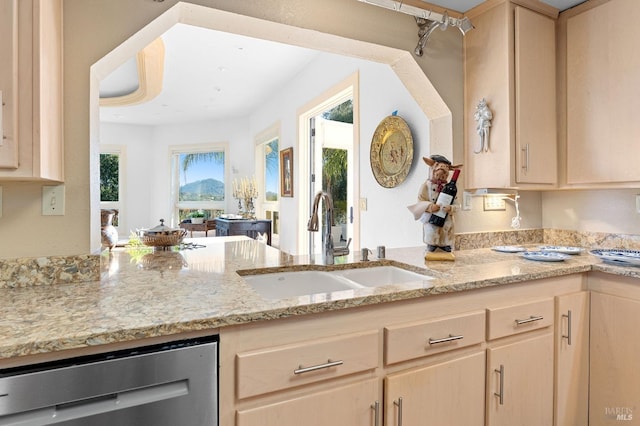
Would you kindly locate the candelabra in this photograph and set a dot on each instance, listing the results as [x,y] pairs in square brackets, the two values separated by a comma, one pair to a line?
[246,189]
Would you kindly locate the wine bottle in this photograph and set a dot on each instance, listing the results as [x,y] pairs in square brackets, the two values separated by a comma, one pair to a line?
[445,198]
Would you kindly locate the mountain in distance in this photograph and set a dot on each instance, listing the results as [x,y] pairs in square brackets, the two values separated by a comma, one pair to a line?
[202,190]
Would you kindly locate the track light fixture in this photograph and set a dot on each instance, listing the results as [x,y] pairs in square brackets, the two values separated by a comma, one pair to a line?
[427,20]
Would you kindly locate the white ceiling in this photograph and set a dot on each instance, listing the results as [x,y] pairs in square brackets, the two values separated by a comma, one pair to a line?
[208,75]
[213,75]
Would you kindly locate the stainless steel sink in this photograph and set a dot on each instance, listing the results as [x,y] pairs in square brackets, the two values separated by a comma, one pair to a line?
[282,285]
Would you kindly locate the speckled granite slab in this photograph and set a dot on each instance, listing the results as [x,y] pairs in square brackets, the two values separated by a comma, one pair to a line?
[591,240]
[48,270]
[143,295]
[84,268]
[475,240]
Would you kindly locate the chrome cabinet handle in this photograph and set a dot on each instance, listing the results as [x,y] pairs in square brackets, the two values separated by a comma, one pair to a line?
[532,318]
[525,164]
[451,338]
[399,404]
[500,394]
[328,364]
[376,413]
[568,335]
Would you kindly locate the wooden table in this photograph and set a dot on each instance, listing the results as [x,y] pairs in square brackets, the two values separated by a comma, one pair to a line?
[248,227]
[206,226]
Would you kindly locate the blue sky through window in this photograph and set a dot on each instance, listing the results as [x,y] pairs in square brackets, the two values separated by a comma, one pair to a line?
[201,169]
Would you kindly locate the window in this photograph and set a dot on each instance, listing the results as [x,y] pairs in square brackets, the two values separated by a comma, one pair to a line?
[112,161]
[271,170]
[267,161]
[198,180]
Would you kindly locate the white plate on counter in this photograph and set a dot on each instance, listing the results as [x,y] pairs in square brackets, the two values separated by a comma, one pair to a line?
[509,249]
[561,249]
[545,256]
[620,257]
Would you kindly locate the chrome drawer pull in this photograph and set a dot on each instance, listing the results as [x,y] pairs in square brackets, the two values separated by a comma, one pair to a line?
[500,394]
[568,335]
[451,338]
[376,410]
[525,166]
[328,364]
[532,318]
[399,404]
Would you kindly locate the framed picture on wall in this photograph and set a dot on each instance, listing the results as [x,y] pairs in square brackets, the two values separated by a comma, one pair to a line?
[286,172]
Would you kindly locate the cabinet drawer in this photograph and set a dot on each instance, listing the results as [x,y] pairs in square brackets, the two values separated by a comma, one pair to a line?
[513,319]
[272,369]
[415,340]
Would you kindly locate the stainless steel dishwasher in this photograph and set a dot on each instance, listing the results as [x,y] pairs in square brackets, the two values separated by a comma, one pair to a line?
[162,385]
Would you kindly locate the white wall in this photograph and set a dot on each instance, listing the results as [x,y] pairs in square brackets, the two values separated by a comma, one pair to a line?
[606,210]
[148,178]
[138,167]
[381,93]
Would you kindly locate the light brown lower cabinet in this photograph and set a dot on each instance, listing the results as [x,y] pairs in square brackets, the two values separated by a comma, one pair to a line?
[342,405]
[432,361]
[447,393]
[614,397]
[571,405]
[520,382]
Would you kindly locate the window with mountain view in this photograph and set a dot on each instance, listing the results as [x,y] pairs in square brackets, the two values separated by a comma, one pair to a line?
[198,180]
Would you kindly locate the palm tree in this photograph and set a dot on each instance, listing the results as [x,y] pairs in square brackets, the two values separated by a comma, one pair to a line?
[194,157]
[334,163]
[272,168]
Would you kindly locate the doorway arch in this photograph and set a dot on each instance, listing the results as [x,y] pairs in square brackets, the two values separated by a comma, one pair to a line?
[400,61]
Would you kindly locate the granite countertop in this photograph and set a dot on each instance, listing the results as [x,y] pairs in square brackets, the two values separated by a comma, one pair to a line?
[143,294]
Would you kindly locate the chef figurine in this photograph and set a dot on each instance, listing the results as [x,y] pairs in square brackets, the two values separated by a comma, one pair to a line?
[435,237]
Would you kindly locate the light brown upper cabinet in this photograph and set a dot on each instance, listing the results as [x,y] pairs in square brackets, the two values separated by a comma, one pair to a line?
[31,148]
[510,61]
[603,95]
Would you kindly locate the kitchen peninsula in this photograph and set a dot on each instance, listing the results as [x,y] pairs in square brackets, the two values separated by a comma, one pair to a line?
[149,297]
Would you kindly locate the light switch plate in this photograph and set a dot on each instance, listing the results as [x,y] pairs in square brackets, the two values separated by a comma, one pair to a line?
[467,199]
[363,204]
[0,201]
[53,200]
[638,203]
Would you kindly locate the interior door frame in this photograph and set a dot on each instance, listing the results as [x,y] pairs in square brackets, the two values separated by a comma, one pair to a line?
[346,89]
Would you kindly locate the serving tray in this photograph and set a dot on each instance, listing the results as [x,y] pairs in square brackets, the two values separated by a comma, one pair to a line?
[620,257]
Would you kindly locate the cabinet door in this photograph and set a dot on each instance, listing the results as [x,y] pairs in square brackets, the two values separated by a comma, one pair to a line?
[520,383]
[33,116]
[351,405]
[487,75]
[8,84]
[603,94]
[449,393]
[510,62]
[571,403]
[535,81]
[614,392]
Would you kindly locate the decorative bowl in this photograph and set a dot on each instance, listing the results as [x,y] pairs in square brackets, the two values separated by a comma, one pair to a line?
[162,236]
